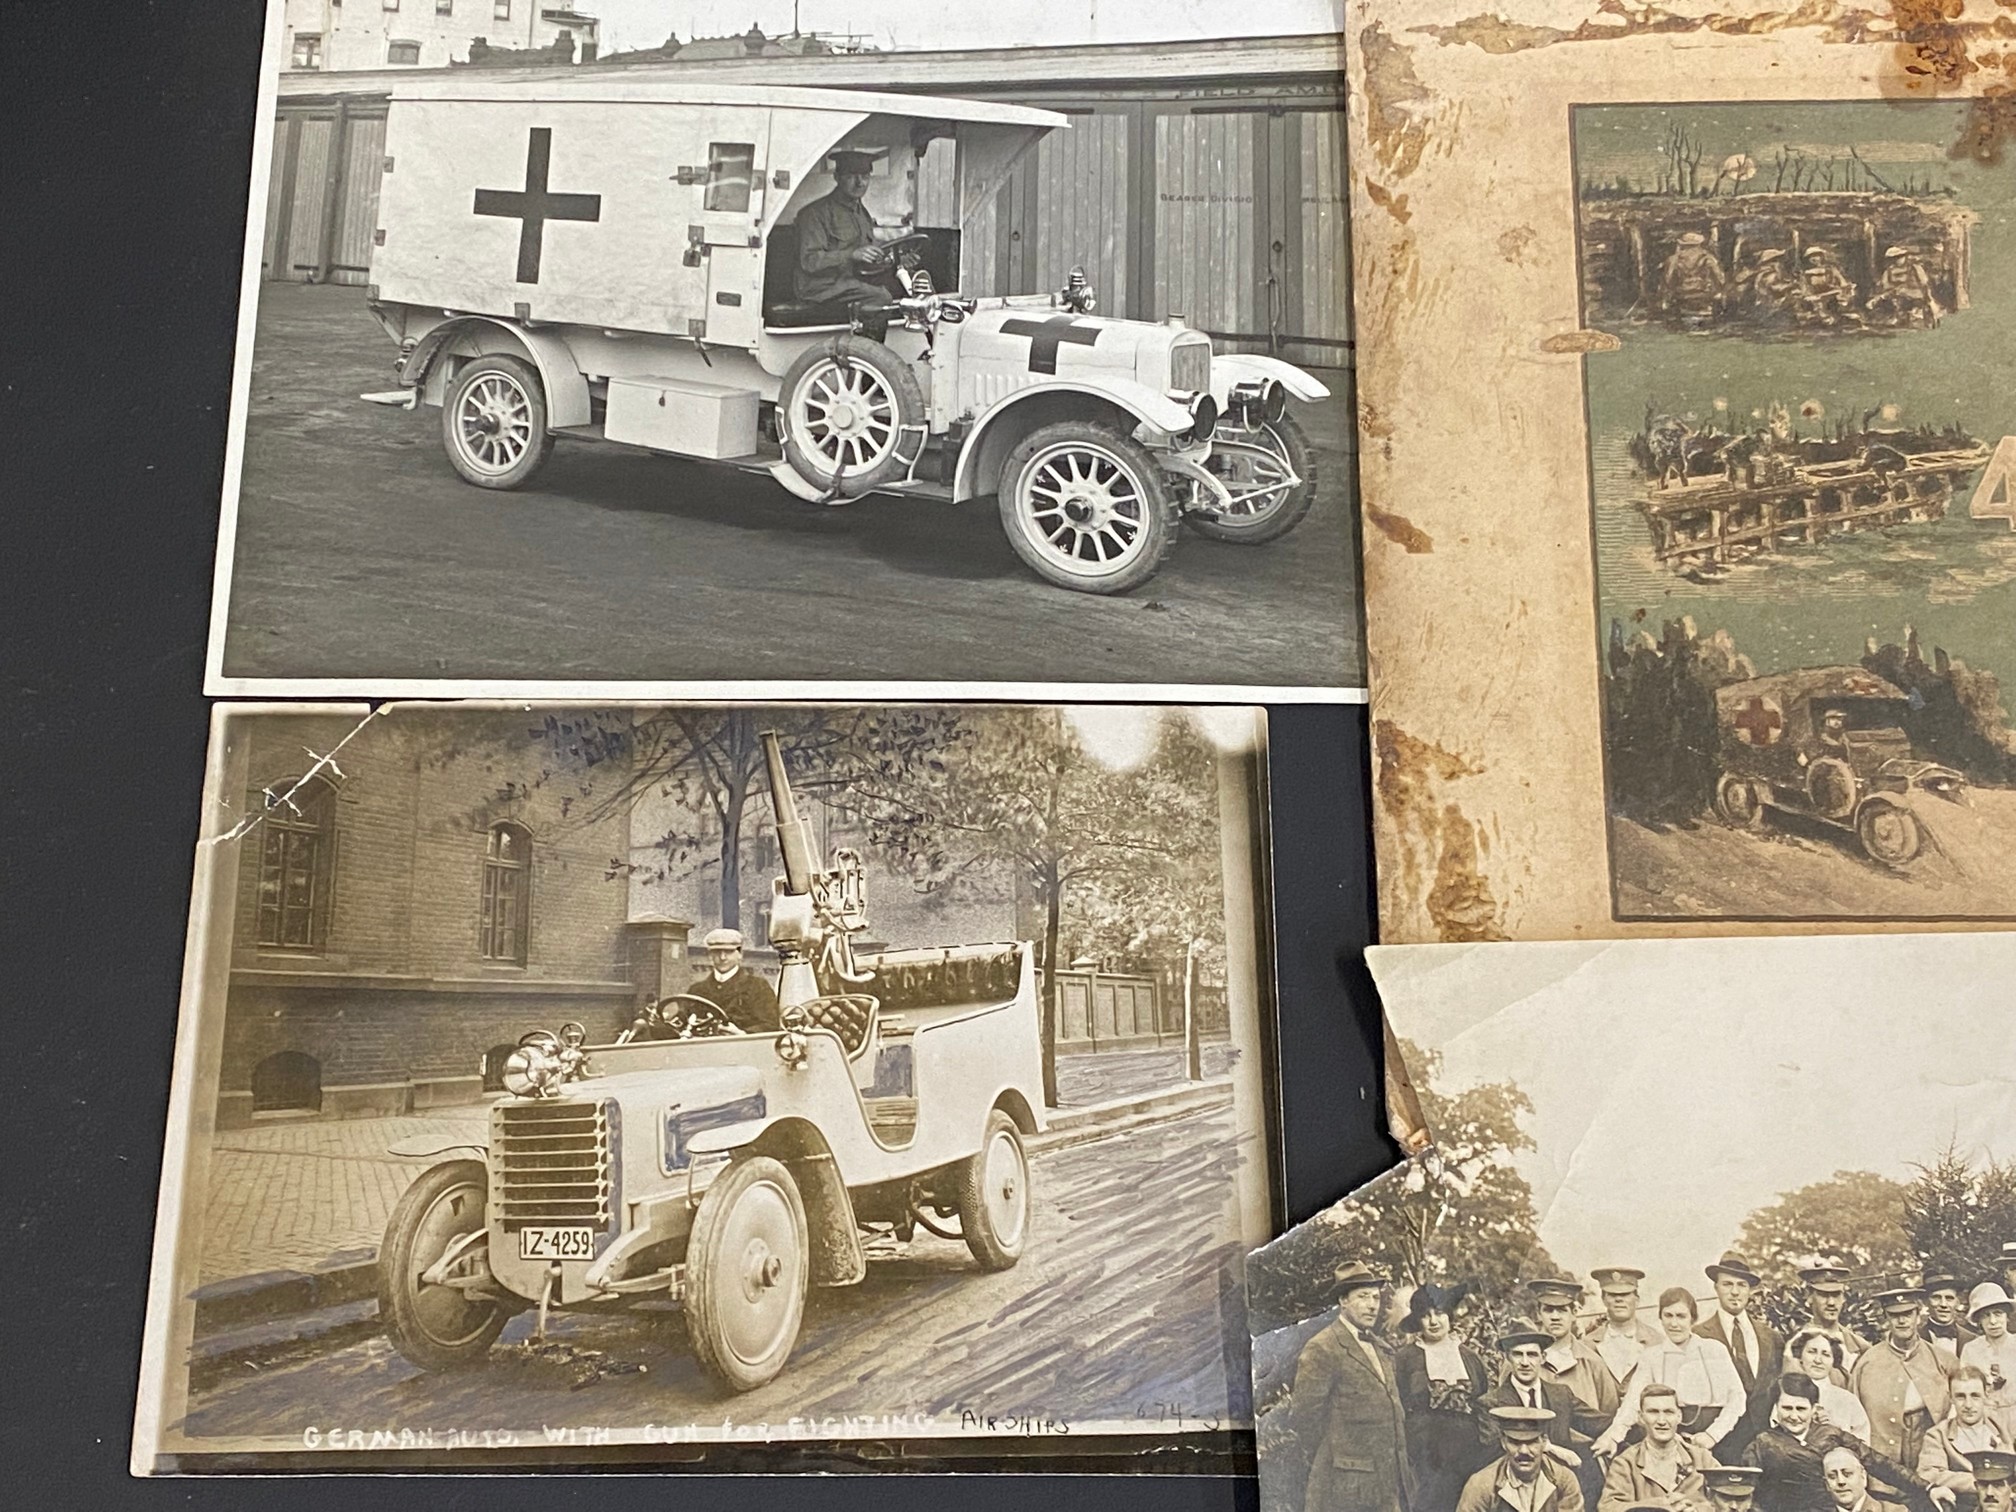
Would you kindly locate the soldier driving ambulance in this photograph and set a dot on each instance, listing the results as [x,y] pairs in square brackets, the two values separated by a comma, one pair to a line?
[839,259]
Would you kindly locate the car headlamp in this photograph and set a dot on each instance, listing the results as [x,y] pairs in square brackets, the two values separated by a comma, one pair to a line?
[535,1067]
[1274,404]
[1203,417]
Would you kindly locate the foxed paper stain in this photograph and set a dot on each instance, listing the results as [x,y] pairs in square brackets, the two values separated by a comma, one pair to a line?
[1439,845]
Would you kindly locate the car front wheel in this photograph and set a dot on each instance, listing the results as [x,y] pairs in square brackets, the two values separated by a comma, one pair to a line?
[746,1272]
[1086,507]
[1270,473]
[436,1327]
[1890,833]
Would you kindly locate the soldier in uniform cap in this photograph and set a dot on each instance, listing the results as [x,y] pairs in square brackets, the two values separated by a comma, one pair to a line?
[839,259]
[1902,1381]
[1995,1479]
[1573,1362]
[1826,1295]
[1732,1486]
[749,1002]
[1620,1334]
[1526,1476]
[1346,1404]
[1943,1323]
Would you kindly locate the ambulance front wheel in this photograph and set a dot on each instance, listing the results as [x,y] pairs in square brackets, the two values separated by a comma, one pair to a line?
[493,422]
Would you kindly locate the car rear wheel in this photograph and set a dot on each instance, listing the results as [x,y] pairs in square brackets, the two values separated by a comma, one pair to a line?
[1271,475]
[1086,507]
[1738,802]
[992,1193]
[436,1327]
[493,422]
[1890,833]
[746,1272]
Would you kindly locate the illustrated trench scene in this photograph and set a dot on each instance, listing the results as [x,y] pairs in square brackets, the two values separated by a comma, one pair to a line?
[782,1122]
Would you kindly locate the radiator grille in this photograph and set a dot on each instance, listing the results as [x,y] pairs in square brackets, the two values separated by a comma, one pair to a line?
[549,1163]
[1190,366]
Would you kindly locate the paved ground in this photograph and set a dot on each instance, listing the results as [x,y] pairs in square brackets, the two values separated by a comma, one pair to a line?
[312,1195]
[1126,1304]
[361,555]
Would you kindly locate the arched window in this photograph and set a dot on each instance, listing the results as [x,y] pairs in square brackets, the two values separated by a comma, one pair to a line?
[297,851]
[505,925]
[287,1081]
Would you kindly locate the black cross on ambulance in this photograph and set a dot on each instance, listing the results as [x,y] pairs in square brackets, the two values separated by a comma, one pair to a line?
[769,278]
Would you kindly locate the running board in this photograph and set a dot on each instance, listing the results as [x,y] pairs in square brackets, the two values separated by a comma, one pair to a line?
[404,398]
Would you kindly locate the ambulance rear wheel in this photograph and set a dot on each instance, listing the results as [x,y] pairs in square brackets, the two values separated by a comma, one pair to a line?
[1086,507]
[852,415]
[493,422]
[1738,802]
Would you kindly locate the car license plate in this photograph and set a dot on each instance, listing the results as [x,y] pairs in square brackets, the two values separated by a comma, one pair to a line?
[547,1243]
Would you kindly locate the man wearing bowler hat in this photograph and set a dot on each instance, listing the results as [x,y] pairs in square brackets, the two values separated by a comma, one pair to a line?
[1526,1476]
[1525,1384]
[1826,1295]
[1346,1403]
[1620,1334]
[1902,1382]
[839,260]
[1752,1343]
[747,1000]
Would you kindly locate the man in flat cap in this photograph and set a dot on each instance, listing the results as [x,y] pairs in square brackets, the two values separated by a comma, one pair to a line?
[1345,1402]
[1526,1476]
[1790,1453]
[1944,1326]
[1752,1343]
[1620,1334]
[749,1002]
[1902,1382]
[1995,1479]
[839,260]
[1826,1295]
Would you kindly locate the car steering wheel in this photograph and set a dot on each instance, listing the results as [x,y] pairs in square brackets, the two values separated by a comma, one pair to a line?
[704,1018]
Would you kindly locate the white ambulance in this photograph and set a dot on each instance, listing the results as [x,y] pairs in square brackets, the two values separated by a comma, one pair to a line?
[617,259]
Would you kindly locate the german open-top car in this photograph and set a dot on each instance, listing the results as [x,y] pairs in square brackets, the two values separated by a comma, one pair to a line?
[1829,743]
[741,274]
[729,1171]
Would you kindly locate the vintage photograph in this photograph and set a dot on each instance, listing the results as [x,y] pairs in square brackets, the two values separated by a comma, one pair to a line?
[1705,1224]
[630,349]
[654,1075]
[1805,576]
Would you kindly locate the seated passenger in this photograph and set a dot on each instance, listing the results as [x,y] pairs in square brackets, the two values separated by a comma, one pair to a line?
[839,260]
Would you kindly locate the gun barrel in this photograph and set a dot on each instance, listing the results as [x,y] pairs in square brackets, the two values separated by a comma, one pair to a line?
[792,839]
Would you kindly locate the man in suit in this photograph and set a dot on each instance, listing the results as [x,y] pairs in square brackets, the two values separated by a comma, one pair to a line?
[1752,1343]
[1525,1384]
[749,1002]
[1944,1326]
[1902,1382]
[1344,1402]
[1526,1474]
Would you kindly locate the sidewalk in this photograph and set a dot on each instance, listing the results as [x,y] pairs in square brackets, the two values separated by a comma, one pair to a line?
[310,1199]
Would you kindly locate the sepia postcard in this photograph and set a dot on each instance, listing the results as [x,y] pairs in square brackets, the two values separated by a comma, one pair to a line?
[990,350]
[1688,388]
[558,1080]
[1707,1224]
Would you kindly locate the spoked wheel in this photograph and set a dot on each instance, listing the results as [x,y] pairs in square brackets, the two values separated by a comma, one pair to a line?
[1270,473]
[746,1270]
[993,1196]
[847,405]
[1890,833]
[1737,802]
[436,1327]
[493,422]
[1086,507]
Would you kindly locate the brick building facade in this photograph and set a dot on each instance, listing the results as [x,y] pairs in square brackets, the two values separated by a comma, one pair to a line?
[429,901]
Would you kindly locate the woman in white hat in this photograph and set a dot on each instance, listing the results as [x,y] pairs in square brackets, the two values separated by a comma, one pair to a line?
[1994,1353]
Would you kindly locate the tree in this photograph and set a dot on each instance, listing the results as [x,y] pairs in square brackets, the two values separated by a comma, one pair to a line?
[1458,1212]
[1016,786]
[1856,1217]
[1959,1213]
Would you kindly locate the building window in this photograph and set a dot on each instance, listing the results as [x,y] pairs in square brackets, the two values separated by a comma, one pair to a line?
[729,167]
[403,52]
[296,854]
[307,49]
[501,10]
[288,1082]
[507,894]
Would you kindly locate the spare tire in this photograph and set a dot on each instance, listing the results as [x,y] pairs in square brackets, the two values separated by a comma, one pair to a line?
[851,415]
[1832,788]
